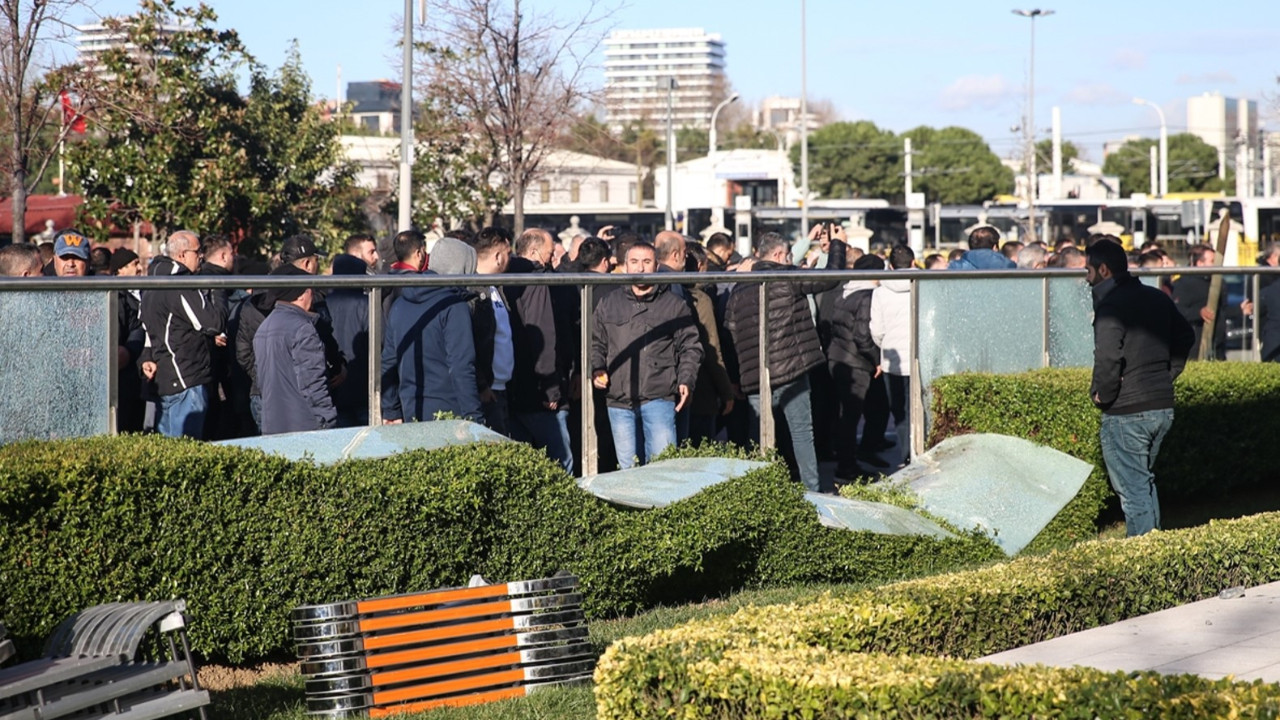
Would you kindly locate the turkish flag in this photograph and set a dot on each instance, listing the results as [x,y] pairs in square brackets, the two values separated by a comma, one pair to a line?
[71,118]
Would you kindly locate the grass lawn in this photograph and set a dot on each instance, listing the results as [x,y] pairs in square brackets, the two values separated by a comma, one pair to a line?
[277,693]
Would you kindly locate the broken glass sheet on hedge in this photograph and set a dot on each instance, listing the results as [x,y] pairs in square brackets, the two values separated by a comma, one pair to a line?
[664,482]
[331,446]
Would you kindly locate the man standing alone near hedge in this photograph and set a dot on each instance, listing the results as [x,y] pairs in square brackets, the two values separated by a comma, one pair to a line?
[1140,344]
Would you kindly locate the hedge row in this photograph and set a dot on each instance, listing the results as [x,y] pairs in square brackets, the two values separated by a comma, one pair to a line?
[963,615]
[245,537]
[1221,439]
[739,681]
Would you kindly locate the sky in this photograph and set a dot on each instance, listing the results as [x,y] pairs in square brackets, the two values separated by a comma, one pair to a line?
[898,64]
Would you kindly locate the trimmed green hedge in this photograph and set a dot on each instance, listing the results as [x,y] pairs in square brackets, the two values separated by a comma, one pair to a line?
[1225,419]
[965,614]
[739,681]
[245,537]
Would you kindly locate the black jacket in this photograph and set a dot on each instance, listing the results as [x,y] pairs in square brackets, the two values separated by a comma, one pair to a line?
[179,324]
[844,326]
[648,345]
[1268,308]
[252,313]
[540,348]
[1141,343]
[1191,293]
[349,313]
[794,348]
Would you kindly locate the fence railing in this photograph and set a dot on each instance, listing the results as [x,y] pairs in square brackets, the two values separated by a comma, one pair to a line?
[59,336]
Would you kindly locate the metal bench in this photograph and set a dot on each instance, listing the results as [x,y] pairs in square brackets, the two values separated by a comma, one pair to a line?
[451,647]
[91,668]
[6,645]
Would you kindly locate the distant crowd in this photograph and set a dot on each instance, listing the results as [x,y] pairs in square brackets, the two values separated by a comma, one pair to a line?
[668,362]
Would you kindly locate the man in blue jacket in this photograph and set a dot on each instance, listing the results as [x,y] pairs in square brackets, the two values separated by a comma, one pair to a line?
[289,357]
[982,253]
[429,357]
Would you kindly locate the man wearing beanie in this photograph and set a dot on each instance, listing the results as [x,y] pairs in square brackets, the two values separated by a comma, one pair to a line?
[290,363]
[125,263]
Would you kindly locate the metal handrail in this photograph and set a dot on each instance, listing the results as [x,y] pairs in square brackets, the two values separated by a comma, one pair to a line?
[585,283]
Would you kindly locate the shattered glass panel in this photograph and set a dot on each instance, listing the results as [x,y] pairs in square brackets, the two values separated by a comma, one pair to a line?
[1005,487]
[330,446]
[662,483]
[53,359]
[980,325]
[847,514]
[1070,323]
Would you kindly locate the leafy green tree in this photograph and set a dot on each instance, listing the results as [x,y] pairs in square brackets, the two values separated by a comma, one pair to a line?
[300,181]
[174,143]
[1193,166]
[853,160]
[1044,154]
[955,166]
[452,171]
[168,144]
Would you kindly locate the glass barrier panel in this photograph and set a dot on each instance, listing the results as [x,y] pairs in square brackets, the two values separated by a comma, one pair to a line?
[53,359]
[1070,323]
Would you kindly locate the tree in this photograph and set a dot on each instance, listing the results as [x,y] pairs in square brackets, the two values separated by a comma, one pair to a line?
[1044,154]
[175,144]
[852,160]
[516,79]
[29,110]
[955,166]
[300,181]
[1193,166]
[452,171]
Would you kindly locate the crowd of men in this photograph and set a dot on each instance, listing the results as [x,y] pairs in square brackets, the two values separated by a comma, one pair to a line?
[669,362]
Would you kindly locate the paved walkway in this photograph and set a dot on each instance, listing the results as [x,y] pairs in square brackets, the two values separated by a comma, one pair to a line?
[1211,638]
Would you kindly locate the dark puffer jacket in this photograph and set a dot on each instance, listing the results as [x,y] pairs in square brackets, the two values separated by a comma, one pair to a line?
[794,348]
[849,326]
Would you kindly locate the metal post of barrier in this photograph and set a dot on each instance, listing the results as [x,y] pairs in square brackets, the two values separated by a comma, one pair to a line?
[590,451]
[113,363]
[375,355]
[767,441]
[1255,343]
[916,408]
[1044,309]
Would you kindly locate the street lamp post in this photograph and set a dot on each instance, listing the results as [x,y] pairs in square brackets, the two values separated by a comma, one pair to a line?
[711,134]
[1164,145]
[406,124]
[1030,130]
[804,124]
[671,151]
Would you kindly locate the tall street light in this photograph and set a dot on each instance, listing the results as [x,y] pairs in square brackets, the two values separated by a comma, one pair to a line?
[1164,145]
[671,150]
[406,123]
[804,125]
[711,135]
[1030,130]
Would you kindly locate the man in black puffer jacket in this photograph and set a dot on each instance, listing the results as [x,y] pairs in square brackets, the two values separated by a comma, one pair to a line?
[794,348]
[1141,343]
[853,359]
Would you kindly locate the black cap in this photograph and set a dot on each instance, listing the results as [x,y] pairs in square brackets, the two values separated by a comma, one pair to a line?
[120,258]
[297,247]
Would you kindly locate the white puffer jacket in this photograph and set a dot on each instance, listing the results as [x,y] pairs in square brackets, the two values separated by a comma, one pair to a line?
[891,325]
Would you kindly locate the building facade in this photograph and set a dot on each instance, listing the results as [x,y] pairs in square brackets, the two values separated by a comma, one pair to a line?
[375,106]
[638,64]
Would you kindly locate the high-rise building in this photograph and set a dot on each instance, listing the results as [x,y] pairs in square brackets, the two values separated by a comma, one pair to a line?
[1230,125]
[94,40]
[638,64]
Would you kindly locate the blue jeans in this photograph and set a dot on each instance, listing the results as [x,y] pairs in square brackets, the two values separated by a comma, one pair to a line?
[546,430]
[792,401]
[183,414]
[655,431]
[1130,444]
